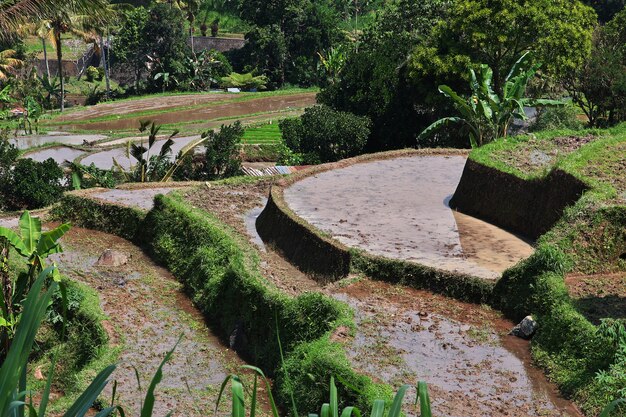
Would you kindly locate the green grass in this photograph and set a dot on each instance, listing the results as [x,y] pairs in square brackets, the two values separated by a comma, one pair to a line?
[264,133]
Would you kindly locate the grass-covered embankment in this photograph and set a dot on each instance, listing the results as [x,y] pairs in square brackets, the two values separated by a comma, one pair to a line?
[220,273]
[589,237]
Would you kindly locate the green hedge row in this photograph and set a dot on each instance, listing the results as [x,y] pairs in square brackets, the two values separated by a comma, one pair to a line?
[220,273]
[93,214]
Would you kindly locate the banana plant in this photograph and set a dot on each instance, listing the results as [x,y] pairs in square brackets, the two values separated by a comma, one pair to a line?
[486,114]
[35,247]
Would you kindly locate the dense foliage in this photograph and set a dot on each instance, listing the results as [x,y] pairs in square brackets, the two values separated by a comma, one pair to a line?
[322,134]
[25,183]
[222,155]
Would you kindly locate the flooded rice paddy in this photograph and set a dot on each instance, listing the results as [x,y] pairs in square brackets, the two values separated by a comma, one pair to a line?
[473,368]
[60,154]
[398,208]
[104,159]
[26,142]
[210,112]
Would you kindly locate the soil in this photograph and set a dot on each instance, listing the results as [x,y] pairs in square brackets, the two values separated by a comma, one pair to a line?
[472,367]
[238,206]
[59,153]
[611,167]
[420,227]
[599,296]
[210,112]
[147,314]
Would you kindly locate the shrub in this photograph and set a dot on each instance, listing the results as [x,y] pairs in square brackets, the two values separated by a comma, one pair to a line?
[322,134]
[223,151]
[553,118]
[92,74]
[33,184]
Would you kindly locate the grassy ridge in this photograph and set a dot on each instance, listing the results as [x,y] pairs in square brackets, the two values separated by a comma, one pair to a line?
[590,237]
[220,273]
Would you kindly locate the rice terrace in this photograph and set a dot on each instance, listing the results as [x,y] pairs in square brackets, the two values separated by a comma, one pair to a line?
[313,208]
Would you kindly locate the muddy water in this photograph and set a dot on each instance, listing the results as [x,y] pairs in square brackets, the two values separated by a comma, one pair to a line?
[147,314]
[56,137]
[59,153]
[224,110]
[104,159]
[472,367]
[398,208]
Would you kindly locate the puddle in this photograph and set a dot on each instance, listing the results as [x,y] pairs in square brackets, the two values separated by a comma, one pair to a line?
[226,110]
[250,222]
[147,314]
[25,142]
[472,367]
[417,225]
[104,159]
[142,198]
[59,153]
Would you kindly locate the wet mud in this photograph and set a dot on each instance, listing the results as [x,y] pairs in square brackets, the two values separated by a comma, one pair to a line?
[473,368]
[398,208]
[214,111]
[147,314]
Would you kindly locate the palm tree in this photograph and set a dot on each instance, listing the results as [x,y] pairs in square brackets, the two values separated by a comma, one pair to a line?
[8,62]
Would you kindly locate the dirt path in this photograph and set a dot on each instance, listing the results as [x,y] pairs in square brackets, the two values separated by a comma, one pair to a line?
[147,314]
[472,367]
[398,208]
[210,112]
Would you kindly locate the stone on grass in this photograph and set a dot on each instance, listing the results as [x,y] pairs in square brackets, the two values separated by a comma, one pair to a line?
[526,328]
[112,257]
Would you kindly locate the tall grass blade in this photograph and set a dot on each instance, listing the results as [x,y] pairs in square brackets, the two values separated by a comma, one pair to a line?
[396,405]
[378,408]
[148,404]
[325,411]
[424,399]
[349,411]
[87,398]
[238,407]
[334,401]
[268,387]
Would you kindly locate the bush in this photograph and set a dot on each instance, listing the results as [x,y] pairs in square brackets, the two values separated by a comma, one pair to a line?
[553,118]
[322,134]
[223,158]
[31,184]
[92,74]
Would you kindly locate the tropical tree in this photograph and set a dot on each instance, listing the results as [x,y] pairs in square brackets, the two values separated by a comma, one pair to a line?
[333,62]
[486,114]
[8,63]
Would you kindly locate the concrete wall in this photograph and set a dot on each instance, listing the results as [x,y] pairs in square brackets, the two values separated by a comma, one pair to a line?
[220,44]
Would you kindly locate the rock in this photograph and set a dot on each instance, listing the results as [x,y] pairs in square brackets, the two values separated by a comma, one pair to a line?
[39,374]
[526,328]
[238,340]
[112,257]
